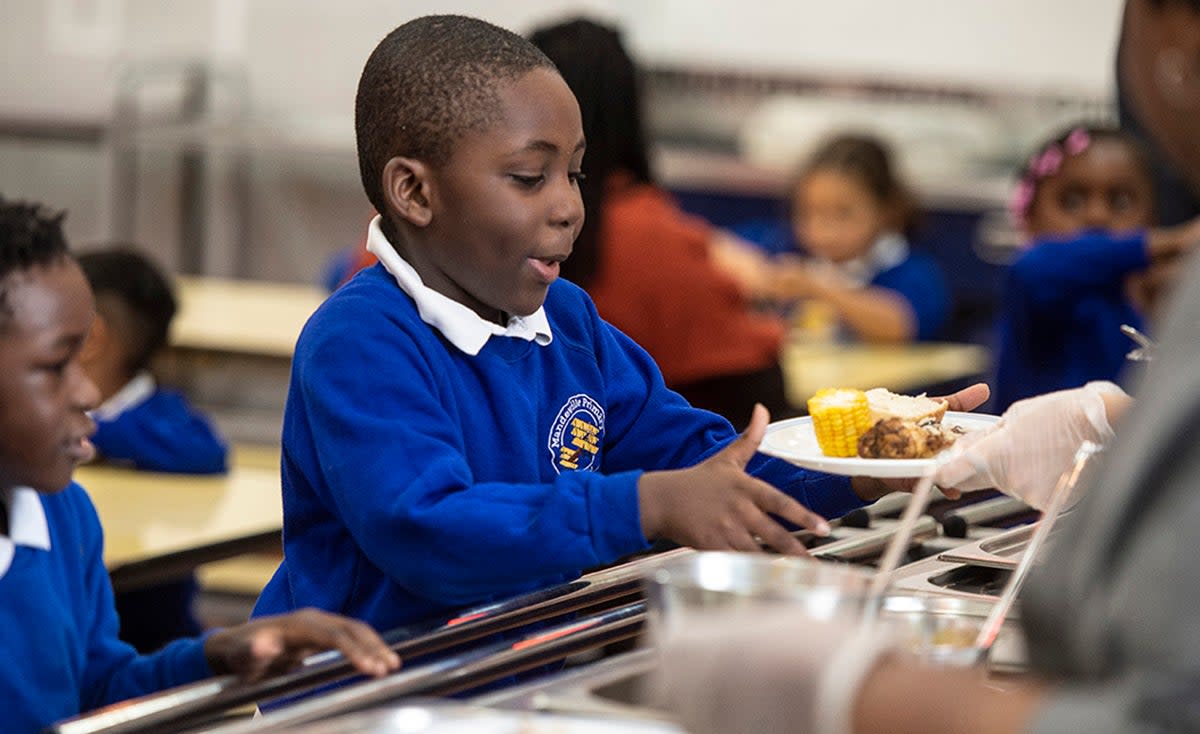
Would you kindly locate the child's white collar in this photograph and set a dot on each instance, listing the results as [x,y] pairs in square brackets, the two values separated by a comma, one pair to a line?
[134,393]
[461,326]
[26,524]
[887,252]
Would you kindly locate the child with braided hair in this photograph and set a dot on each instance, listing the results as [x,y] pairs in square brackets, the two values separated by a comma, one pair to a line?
[1092,263]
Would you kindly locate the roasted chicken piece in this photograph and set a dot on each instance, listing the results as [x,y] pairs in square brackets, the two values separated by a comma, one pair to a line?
[896,438]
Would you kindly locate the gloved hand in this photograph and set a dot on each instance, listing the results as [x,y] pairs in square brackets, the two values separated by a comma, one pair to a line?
[1032,444]
[765,671]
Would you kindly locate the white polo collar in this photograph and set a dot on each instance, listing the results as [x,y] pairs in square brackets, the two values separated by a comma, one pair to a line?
[887,252]
[461,326]
[26,524]
[134,393]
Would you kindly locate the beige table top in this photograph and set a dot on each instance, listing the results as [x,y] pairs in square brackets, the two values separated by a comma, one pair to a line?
[147,515]
[255,318]
[808,367]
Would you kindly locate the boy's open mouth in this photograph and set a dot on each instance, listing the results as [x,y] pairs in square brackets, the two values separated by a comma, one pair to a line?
[546,268]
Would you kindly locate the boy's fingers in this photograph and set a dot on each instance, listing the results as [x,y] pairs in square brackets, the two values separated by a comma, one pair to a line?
[776,536]
[969,398]
[744,446]
[777,503]
[355,640]
[743,541]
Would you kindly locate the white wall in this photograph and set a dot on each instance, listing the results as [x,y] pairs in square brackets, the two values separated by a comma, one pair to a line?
[302,59]
[61,56]
[1035,45]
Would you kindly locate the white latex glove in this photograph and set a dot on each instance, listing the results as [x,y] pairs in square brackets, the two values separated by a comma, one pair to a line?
[767,671]
[1032,444]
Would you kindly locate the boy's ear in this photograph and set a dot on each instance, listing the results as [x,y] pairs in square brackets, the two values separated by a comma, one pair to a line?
[406,183]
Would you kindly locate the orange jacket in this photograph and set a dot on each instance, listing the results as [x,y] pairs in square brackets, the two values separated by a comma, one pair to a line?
[658,284]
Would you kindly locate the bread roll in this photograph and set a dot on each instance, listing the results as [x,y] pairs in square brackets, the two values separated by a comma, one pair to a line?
[884,403]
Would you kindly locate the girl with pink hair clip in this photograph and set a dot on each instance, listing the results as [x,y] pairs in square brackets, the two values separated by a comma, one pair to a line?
[1091,263]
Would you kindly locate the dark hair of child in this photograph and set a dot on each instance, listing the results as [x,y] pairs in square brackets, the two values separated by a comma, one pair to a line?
[868,160]
[426,84]
[595,65]
[1047,160]
[132,292]
[32,237]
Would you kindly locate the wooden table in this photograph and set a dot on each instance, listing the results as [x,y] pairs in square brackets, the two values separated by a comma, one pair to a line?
[242,317]
[161,526]
[810,366]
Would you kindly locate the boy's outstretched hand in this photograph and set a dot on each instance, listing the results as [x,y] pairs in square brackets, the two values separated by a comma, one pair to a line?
[716,505]
[274,645]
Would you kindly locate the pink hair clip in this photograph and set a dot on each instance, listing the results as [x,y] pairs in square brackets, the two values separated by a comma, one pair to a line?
[1048,162]
[1043,165]
[1077,142]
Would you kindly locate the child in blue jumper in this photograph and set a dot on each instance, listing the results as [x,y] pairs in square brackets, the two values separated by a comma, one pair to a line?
[140,423]
[461,425]
[851,214]
[59,652]
[1085,201]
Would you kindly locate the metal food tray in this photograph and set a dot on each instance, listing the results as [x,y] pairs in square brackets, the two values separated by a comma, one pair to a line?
[1002,551]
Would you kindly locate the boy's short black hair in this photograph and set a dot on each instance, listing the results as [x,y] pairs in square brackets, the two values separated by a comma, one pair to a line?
[146,301]
[428,82]
[30,236]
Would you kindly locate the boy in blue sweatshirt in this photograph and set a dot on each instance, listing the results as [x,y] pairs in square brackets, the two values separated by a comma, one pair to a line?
[461,425]
[139,423]
[59,652]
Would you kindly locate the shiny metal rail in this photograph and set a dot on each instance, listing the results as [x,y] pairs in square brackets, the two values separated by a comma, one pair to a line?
[870,543]
[192,705]
[956,522]
[201,701]
[886,506]
[462,671]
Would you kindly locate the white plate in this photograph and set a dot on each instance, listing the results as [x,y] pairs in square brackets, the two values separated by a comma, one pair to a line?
[794,441]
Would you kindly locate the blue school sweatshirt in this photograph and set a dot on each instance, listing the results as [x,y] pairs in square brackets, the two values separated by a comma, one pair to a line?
[1061,314]
[59,652]
[918,280]
[162,433]
[418,479]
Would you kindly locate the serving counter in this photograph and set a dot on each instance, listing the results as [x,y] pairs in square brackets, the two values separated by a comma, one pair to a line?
[463,653]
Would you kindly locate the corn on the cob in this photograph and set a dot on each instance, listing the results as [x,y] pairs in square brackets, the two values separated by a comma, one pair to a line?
[839,416]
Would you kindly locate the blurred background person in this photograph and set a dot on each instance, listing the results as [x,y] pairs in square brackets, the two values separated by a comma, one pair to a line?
[1085,201]
[1155,81]
[140,423]
[681,288]
[852,215]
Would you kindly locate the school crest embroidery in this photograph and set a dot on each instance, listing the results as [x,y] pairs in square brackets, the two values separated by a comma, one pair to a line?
[575,435]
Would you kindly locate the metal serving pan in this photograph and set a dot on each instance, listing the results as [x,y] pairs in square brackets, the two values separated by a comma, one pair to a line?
[1001,551]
